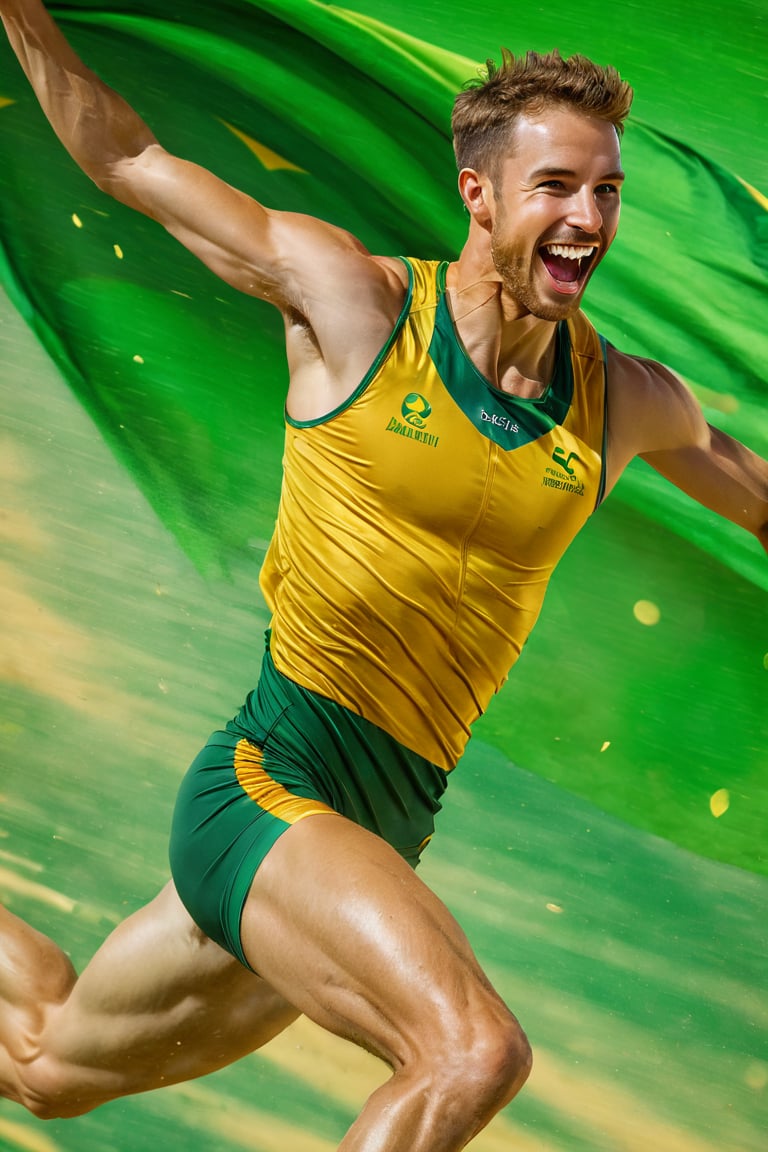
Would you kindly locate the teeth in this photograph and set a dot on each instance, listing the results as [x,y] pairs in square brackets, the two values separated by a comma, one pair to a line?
[570,251]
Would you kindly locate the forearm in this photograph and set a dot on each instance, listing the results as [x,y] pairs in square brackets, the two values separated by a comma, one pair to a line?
[94,124]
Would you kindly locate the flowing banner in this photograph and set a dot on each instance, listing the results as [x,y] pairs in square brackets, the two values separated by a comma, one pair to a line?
[313,108]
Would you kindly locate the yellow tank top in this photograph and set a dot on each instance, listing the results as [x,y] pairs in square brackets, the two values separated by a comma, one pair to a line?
[420,522]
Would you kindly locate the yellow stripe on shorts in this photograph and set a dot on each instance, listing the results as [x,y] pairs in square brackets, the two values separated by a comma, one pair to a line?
[272,797]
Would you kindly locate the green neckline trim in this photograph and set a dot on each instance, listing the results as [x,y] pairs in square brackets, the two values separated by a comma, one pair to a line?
[510,421]
[381,357]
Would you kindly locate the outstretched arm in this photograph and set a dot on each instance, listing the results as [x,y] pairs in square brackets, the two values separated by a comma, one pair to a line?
[318,275]
[654,415]
[117,150]
[722,474]
[258,251]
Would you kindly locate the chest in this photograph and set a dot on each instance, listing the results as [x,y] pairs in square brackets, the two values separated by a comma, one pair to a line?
[464,474]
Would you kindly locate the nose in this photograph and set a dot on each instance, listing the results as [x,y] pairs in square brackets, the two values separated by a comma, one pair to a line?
[584,212]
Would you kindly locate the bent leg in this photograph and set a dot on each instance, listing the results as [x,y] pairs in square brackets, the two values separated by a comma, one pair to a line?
[158,1003]
[35,976]
[337,922]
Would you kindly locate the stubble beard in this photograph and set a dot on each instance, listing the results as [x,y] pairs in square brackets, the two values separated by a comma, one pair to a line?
[517,281]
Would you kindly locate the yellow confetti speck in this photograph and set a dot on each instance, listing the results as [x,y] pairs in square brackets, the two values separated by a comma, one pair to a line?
[163,686]
[138,359]
[719,802]
[554,908]
[606,745]
[765,661]
[76,220]
[646,612]
[118,251]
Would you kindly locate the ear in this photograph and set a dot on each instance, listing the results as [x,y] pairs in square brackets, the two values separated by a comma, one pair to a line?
[477,193]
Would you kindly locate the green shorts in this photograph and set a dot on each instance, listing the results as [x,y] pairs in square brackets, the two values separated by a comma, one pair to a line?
[289,753]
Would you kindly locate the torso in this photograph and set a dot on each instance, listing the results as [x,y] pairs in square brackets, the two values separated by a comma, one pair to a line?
[318,386]
[407,570]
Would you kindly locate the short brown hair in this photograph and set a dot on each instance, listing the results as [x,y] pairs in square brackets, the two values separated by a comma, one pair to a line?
[485,111]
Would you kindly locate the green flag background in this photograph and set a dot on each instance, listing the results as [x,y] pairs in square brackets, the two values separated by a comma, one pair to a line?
[604,839]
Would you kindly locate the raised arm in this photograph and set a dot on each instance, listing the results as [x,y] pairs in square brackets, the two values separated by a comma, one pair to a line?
[318,275]
[654,415]
[118,151]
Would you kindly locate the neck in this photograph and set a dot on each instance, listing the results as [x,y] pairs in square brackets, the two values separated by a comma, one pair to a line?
[514,349]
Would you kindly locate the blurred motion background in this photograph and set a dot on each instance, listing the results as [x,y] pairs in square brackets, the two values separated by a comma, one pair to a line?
[603,841]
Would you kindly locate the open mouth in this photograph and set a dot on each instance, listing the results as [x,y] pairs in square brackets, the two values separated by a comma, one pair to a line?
[568,264]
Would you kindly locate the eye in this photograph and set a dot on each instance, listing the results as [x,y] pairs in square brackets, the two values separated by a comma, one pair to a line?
[607,190]
[557,185]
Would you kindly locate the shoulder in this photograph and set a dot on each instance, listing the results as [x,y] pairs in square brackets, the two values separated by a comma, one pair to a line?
[316,254]
[394,269]
[650,406]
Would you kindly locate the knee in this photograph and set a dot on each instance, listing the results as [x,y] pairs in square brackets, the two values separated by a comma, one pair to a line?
[48,1093]
[500,1059]
[490,1062]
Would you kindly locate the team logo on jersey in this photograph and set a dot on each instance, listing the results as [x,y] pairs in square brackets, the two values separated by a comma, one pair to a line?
[564,477]
[416,409]
[564,461]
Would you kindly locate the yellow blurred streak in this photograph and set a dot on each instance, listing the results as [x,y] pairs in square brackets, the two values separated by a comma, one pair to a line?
[43,652]
[20,862]
[228,1119]
[12,882]
[624,1121]
[18,528]
[756,1076]
[332,1066]
[29,1139]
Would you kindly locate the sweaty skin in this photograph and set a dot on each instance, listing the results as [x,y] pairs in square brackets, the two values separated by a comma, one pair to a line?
[336,924]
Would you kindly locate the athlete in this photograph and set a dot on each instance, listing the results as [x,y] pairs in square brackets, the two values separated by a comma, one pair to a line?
[450,427]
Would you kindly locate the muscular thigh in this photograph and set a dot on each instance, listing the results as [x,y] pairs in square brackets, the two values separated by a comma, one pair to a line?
[344,929]
[158,1003]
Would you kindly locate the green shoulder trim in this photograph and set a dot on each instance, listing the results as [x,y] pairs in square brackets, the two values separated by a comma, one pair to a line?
[510,421]
[604,449]
[373,368]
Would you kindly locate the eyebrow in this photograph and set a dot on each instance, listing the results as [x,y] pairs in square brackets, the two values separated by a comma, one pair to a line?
[538,173]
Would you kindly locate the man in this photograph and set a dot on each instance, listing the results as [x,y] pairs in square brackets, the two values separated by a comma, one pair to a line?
[449,430]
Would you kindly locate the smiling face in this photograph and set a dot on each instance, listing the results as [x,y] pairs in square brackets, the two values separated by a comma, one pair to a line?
[554,209]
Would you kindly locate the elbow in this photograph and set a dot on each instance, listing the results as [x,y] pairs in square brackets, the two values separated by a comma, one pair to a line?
[127,179]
